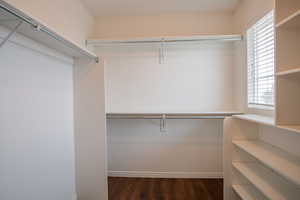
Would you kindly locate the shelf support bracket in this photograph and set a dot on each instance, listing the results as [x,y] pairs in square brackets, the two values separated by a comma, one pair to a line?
[13,31]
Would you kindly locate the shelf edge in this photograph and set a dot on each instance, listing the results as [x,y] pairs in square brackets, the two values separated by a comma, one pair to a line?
[287,19]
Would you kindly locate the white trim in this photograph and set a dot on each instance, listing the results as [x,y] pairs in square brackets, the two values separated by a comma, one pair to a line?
[149,174]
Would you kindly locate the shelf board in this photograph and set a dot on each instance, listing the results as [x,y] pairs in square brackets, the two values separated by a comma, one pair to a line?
[39,32]
[192,38]
[290,22]
[267,182]
[247,192]
[174,115]
[257,119]
[292,72]
[278,160]
[293,128]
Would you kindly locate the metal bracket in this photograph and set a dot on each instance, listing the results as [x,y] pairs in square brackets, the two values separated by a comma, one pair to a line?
[37,27]
[10,34]
[163,124]
[162,53]
[97,60]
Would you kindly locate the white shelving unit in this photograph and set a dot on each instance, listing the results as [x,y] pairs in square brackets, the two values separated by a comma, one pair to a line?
[254,169]
[272,186]
[276,159]
[287,64]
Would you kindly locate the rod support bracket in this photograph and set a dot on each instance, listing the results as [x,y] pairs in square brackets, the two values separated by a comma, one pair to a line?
[163,123]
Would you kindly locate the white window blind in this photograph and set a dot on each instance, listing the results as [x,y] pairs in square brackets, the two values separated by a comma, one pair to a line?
[260,47]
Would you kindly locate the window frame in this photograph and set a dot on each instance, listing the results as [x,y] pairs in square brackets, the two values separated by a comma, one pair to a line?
[249,61]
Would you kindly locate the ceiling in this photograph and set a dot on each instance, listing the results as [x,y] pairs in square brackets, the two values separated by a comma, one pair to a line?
[151,7]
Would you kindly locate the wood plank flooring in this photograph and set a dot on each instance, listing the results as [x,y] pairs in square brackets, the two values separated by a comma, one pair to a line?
[164,189]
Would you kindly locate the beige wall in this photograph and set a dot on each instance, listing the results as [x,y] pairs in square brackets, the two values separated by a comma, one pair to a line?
[249,11]
[66,17]
[163,25]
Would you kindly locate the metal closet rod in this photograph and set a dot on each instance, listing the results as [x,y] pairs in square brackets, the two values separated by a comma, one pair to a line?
[43,29]
[170,116]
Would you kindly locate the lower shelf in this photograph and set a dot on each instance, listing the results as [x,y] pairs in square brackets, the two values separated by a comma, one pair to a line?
[278,160]
[247,192]
[268,183]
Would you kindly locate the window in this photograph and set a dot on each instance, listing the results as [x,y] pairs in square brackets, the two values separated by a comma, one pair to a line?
[260,56]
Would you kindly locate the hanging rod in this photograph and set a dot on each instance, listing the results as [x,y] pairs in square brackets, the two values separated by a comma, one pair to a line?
[167,39]
[40,27]
[213,115]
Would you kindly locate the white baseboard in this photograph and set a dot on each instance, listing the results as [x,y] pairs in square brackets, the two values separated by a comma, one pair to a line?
[148,174]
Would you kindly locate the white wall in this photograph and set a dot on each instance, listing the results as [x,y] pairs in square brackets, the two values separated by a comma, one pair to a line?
[176,24]
[36,123]
[190,148]
[194,78]
[68,18]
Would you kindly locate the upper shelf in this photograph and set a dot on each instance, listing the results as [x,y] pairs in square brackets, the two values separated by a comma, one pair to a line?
[31,28]
[203,115]
[289,73]
[194,38]
[267,121]
[290,22]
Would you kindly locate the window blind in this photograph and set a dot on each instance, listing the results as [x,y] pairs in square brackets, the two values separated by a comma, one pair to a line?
[260,56]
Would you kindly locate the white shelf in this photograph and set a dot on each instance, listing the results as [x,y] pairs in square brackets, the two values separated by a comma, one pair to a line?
[247,192]
[292,21]
[193,38]
[270,185]
[256,118]
[294,128]
[174,115]
[37,31]
[292,72]
[279,161]
[267,121]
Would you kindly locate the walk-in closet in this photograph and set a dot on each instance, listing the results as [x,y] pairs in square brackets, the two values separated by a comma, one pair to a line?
[149,100]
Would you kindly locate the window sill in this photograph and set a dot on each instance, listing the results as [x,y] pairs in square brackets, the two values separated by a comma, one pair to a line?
[260,107]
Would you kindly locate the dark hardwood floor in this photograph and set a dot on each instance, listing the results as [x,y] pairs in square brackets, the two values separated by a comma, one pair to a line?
[164,189]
